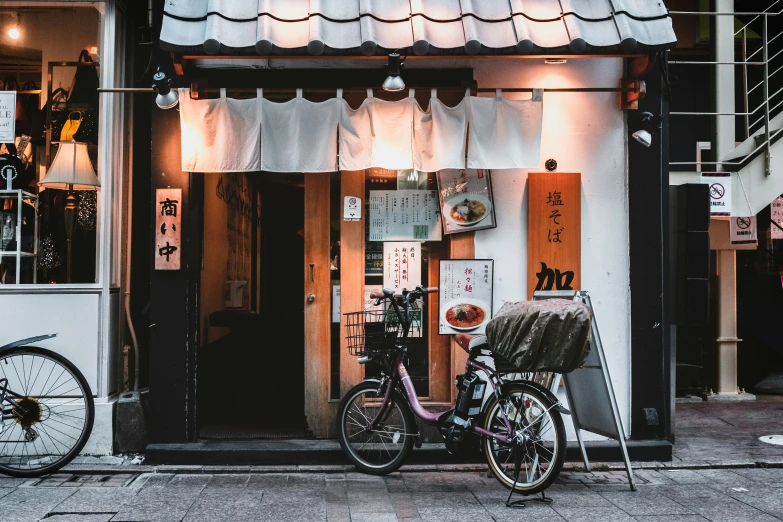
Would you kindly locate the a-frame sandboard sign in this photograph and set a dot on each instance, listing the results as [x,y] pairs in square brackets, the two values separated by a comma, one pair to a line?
[589,389]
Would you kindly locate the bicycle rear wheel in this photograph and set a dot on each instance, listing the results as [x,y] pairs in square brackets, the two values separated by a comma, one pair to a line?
[48,411]
[381,450]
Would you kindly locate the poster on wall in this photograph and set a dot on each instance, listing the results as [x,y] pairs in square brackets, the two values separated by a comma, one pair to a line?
[743,230]
[554,231]
[7,116]
[776,216]
[466,201]
[168,229]
[465,295]
[404,215]
[401,265]
[720,192]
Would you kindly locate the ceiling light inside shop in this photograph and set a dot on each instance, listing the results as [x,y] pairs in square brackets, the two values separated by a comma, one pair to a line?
[166,98]
[394,81]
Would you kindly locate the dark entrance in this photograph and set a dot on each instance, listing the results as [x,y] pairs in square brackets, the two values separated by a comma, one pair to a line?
[251,362]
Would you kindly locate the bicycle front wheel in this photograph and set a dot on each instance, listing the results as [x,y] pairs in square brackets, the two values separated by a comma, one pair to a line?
[382,449]
[48,411]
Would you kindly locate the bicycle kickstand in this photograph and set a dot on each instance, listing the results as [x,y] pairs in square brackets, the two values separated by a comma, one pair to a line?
[521,503]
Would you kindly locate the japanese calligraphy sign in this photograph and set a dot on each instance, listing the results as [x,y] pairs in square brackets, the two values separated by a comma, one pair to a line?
[401,265]
[466,200]
[776,214]
[743,230]
[7,116]
[554,231]
[720,192]
[168,230]
[404,215]
[465,295]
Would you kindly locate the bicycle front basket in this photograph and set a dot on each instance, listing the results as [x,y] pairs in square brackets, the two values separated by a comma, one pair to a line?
[372,331]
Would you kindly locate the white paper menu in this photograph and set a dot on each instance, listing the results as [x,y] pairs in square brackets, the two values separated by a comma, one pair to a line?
[465,284]
[404,215]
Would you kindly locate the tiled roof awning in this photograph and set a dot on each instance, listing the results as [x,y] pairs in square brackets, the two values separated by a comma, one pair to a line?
[421,27]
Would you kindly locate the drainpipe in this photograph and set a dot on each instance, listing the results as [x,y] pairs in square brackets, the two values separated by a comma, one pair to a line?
[724,142]
[129,215]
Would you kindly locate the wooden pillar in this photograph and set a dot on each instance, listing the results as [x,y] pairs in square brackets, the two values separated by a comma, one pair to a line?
[441,377]
[351,274]
[462,246]
[317,287]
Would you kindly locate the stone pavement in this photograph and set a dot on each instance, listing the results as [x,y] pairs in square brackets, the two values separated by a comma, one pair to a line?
[737,495]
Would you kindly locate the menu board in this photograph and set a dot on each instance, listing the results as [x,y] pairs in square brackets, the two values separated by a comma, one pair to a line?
[466,200]
[465,295]
[404,215]
[776,210]
[401,265]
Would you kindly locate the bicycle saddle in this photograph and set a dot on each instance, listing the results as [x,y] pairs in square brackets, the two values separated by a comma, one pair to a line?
[468,341]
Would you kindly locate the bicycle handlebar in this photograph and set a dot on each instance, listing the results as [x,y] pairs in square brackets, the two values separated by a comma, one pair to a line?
[390,293]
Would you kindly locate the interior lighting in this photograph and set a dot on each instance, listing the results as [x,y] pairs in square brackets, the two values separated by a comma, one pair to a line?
[13,31]
[555,61]
[394,81]
[166,98]
[650,124]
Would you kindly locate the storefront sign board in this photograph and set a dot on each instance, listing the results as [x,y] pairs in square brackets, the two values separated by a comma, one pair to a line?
[465,295]
[335,303]
[720,192]
[7,116]
[743,230]
[404,215]
[352,208]
[168,229]
[777,217]
[466,200]
[554,231]
[401,265]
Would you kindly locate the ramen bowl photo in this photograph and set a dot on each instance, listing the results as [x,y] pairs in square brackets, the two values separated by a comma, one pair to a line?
[465,314]
[467,209]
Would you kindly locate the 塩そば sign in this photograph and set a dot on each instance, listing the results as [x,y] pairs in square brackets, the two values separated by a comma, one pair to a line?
[168,229]
[720,192]
[7,116]
[554,232]
[466,200]
[465,295]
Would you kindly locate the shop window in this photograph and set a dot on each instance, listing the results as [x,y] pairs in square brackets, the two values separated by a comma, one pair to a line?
[49,193]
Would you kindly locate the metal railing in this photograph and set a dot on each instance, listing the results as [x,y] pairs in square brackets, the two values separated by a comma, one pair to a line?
[765,106]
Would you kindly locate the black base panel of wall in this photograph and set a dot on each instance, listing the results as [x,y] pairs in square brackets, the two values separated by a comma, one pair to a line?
[327,452]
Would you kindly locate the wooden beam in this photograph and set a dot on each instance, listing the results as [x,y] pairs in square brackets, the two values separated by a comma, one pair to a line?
[441,378]
[461,246]
[351,274]
[317,347]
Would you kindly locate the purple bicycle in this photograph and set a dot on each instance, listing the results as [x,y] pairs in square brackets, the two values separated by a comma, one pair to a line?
[518,425]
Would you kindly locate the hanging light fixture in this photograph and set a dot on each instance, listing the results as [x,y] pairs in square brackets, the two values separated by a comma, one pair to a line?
[394,81]
[650,125]
[13,31]
[166,98]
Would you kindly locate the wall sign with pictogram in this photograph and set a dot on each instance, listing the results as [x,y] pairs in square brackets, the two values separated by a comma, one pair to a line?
[720,192]
[743,230]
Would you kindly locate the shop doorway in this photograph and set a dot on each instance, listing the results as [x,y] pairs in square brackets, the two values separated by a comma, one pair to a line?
[251,363]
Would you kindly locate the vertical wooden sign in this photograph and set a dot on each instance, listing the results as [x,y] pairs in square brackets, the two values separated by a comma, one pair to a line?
[168,230]
[554,231]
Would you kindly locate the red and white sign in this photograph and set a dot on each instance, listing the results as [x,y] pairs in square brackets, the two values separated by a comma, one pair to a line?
[168,229]
[401,265]
[776,210]
[743,230]
[352,208]
[720,192]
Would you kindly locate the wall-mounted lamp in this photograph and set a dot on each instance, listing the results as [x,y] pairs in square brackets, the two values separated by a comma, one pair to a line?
[13,31]
[650,124]
[166,98]
[394,81]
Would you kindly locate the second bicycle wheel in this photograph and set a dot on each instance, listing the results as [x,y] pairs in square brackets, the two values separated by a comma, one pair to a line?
[382,449]
[48,411]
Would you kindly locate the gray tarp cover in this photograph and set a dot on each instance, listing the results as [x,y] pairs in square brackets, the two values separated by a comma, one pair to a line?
[550,335]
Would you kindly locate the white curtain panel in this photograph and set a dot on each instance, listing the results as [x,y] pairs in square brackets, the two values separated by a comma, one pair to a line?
[220,135]
[505,134]
[299,135]
[439,135]
[377,134]
[228,135]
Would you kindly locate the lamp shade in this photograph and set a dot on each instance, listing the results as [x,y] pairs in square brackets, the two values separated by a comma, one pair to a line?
[71,166]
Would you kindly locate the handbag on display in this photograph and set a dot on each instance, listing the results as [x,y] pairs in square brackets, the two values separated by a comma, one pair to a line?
[71,125]
[84,90]
[59,114]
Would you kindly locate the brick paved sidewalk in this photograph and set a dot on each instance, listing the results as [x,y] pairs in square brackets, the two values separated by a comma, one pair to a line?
[666,495]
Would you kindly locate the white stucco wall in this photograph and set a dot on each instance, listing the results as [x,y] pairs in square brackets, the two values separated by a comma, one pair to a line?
[584,132]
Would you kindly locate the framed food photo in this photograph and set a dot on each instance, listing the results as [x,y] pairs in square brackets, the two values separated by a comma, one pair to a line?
[466,201]
[465,293]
